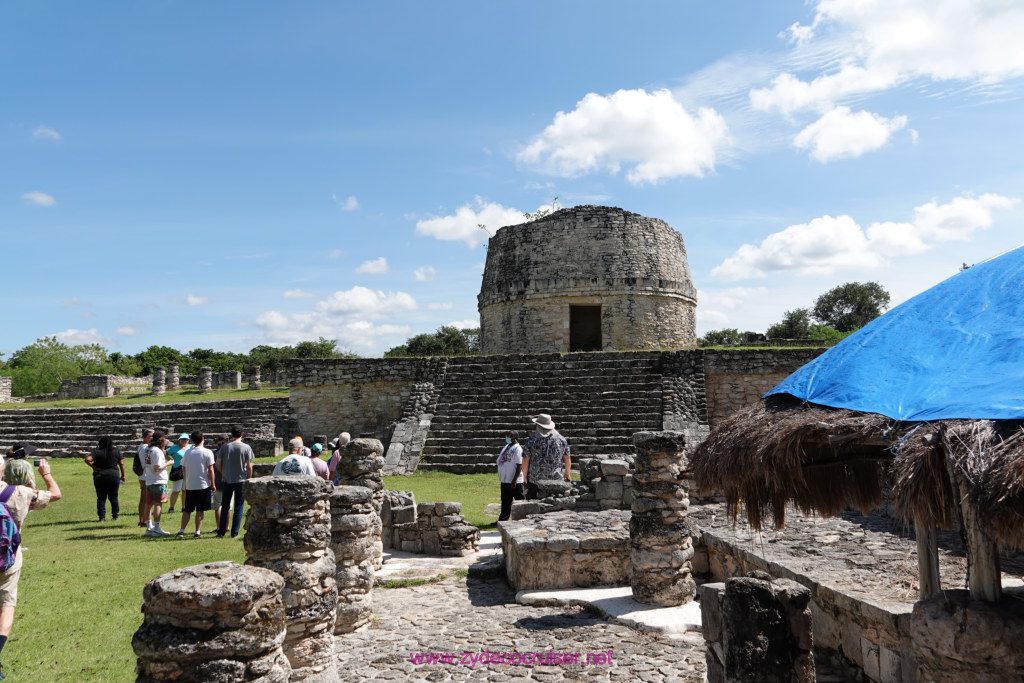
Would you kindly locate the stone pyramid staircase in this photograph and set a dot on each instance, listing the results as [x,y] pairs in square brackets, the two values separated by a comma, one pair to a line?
[63,432]
[596,400]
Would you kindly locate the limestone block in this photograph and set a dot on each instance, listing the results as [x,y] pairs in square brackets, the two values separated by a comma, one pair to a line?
[614,467]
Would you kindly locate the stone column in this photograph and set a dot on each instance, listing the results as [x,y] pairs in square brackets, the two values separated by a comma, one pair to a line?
[362,464]
[212,622]
[254,378]
[205,380]
[159,381]
[232,378]
[172,376]
[288,530]
[660,545]
[352,519]
[758,629]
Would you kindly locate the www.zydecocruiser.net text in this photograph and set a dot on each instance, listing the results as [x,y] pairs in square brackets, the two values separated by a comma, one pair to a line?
[550,658]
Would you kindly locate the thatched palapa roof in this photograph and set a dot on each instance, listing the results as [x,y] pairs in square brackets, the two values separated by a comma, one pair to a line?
[928,398]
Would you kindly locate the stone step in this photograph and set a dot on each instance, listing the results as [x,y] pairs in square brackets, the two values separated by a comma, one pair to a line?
[458,469]
[587,450]
[497,435]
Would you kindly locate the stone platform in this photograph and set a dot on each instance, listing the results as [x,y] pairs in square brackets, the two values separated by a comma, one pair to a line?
[567,549]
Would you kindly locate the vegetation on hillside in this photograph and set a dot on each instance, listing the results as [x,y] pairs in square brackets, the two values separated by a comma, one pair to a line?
[40,367]
[447,341]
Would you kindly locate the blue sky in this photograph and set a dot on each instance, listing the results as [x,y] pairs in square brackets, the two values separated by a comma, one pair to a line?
[223,175]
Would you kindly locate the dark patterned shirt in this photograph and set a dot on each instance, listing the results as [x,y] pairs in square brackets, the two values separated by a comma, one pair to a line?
[545,454]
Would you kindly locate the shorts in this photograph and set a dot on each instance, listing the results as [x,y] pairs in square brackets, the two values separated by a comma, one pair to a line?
[156,493]
[177,486]
[198,499]
[9,584]
[218,496]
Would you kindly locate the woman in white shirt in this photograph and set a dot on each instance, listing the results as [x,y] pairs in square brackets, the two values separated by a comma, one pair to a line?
[510,474]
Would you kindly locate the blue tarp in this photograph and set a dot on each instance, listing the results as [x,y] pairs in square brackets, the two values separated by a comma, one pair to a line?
[953,351]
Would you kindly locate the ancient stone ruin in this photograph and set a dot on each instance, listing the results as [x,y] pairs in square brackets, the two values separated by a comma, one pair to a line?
[288,530]
[659,535]
[213,623]
[362,464]
[758,630]
[626,286]
[428,528]
[352,528]
[566,549]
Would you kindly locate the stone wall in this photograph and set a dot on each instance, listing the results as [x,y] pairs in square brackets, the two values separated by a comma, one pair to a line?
[734,379]
[428,528]
[362,396]
[87,386]
[5,389]
[634,267]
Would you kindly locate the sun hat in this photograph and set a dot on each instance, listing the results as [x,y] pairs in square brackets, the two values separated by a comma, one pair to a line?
[341,441]
[544,421]
[295,443]
[317,447]
[184,437]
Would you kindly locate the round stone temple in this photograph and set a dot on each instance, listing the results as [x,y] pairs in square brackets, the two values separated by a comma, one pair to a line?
[589,278]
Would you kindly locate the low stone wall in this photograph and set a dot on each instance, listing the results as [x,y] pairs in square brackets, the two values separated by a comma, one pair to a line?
[567,549]
[87,386]
[428,528]
[210,623]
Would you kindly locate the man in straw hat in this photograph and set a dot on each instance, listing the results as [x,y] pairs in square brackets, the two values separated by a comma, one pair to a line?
[546,456]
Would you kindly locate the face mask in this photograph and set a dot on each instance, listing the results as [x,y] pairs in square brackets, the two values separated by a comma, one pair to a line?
[508,439]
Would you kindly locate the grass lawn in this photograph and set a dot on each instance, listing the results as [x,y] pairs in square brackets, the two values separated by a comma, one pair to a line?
[176,396]
[80,592]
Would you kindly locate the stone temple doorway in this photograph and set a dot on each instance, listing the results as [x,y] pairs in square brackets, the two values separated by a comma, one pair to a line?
[585,328]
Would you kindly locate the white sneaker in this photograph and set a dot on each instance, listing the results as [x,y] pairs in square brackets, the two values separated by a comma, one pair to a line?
[196,535]
[151,531]
[157,531]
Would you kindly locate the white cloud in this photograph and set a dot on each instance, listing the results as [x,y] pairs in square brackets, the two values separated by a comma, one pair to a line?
[729,298]
[651,132]
[193,300]
[44,133]
[886,44]
[366,302]
[350,316]
[127,331]
[378,266]
[841,134]
[467,324]
[712,318]
[350,203]
[73,337]
[828,243]
[335,253]
[37,198]
[425,274]
[464,225]
[297,294]
[441,306]
[73,301]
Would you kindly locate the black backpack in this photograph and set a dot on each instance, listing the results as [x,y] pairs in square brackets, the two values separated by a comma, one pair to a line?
[137,466]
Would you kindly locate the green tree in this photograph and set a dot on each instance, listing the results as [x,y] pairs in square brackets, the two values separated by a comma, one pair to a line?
[796,324]
[851,306]
[321,348]
[447,341]
[725,337]
[161,356]
[40,367]
[829,335]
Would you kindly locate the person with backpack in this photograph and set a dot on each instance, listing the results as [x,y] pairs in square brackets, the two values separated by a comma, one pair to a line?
[15,502]
[105,462]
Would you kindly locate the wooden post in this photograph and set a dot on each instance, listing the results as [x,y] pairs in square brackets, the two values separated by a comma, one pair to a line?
[927,557]
[984,577]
